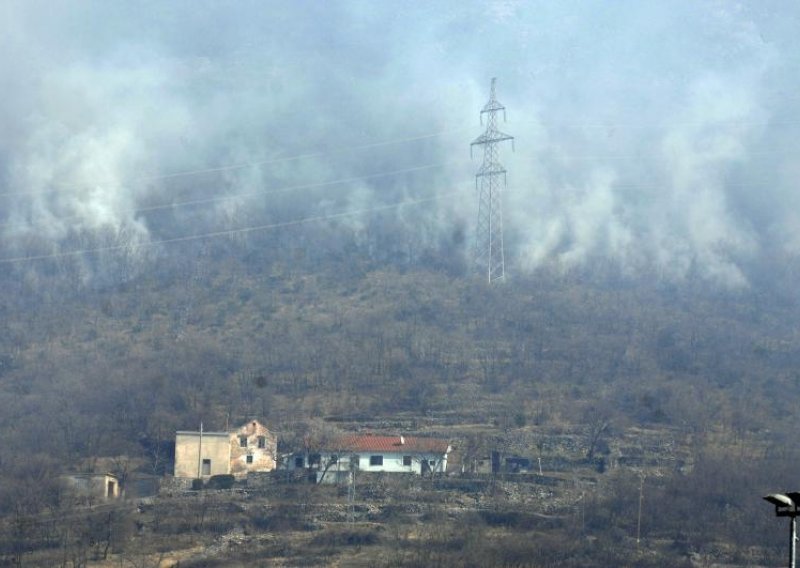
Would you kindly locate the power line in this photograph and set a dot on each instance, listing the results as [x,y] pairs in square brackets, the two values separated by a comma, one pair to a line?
[291,188]
[296,187]
[587,157]
[286,189]
[657,125]
[239,165]
[228,232]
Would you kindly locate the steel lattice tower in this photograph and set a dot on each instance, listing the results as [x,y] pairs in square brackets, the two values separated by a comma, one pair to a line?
[488,254]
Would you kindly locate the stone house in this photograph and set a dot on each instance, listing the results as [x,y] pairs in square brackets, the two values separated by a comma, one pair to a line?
[253,448]
[249,448]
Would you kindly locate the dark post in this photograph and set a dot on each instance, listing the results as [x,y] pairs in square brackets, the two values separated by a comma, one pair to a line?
[786,506]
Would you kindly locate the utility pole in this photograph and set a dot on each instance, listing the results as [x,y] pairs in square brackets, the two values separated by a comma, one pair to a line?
[200,453]
[489,257]
[351,491]
[641,501]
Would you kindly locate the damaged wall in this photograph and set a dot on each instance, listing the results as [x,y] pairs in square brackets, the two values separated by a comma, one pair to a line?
[252,448]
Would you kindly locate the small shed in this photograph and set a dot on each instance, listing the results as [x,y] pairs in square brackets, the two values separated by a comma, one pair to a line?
[93,487]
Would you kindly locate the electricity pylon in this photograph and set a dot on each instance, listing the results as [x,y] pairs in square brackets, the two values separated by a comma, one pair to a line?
[489,258]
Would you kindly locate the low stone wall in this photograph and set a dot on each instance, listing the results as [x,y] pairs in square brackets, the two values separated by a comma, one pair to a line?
[478,482]
[170,485]
[263,480]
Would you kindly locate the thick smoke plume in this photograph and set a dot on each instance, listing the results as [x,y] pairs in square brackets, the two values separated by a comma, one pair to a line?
[655,137]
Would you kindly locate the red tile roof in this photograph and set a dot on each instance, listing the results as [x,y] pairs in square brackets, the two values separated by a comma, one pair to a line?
[370,443]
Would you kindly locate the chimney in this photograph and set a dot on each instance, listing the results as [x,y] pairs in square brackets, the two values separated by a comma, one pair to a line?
[402,440]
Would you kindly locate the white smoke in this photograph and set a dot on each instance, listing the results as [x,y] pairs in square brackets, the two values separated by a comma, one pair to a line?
[641,129]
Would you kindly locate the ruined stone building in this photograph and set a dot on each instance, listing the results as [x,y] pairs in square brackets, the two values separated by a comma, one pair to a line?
[249,448]
[253,448]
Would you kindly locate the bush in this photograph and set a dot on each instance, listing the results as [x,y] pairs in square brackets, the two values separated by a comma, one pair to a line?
[224,481]
[197,484]
[353,537]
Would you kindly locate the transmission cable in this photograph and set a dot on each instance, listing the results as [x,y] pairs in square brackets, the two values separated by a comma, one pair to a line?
[228,232]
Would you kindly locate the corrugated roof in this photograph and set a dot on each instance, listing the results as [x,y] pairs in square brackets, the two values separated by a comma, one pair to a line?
[370,443]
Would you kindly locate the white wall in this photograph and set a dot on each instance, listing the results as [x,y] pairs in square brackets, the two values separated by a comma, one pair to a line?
[216,447]
[392,462]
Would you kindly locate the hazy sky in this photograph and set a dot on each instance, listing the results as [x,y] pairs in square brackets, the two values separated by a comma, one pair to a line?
[654,133]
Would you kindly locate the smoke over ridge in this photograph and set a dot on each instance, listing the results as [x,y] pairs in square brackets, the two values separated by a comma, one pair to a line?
[654,136]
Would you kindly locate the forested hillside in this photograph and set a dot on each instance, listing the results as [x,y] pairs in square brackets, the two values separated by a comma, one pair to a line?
[216,212]
[220,330]
[223,331]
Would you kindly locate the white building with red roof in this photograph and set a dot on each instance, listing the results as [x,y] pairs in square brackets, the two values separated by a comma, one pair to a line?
[379,454]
